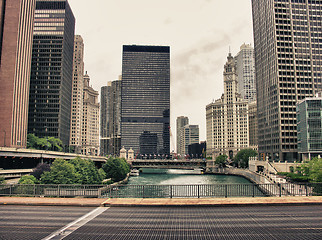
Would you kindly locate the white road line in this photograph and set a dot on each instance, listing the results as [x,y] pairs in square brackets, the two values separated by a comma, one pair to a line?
[71,227]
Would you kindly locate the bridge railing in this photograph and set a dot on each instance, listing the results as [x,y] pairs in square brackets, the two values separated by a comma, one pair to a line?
[163,191]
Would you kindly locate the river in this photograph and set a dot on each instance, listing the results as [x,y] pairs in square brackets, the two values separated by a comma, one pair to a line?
[180,177]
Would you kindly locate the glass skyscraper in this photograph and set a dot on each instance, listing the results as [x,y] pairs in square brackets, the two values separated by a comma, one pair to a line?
[145,99]
[52,70]
[288,63]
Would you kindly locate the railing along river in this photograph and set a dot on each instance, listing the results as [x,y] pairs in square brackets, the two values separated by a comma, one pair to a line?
[163,191]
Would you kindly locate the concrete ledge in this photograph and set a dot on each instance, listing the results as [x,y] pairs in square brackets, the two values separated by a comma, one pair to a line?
[220,202]
[161,202]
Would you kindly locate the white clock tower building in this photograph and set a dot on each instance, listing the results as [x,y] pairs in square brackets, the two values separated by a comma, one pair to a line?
[227,117]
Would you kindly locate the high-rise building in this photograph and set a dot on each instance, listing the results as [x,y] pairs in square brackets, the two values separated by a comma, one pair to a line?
[145,114]
[90,124]
[189,135]
[287,37]
[52,70]
[309,128]
[181,122]
[77,95]
[227,118]
[253,125]
[111,119]
[245,62]
[16,28]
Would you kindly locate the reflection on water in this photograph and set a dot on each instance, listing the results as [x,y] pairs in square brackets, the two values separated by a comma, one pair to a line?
[179,177]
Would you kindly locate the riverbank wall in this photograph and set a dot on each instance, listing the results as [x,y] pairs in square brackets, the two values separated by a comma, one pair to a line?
[251,176]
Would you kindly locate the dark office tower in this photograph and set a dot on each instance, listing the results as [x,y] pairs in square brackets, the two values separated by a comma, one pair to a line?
[145,98]
[52,70]
[288,63]
[111,119]
[16,27]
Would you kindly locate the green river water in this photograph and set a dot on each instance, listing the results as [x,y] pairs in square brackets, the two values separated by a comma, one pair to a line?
[179,177]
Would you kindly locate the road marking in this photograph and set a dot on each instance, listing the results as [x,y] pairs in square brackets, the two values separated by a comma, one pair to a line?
[71,227]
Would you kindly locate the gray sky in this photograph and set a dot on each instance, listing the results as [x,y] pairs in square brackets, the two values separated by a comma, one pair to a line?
[199,33]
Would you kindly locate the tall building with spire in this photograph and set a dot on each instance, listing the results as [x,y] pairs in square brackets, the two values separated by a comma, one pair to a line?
[16,28]
[287,38]
[77,95]
[90,124]
[52,70]
[227,117]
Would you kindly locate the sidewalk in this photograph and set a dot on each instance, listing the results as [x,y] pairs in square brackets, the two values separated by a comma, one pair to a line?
[130,202]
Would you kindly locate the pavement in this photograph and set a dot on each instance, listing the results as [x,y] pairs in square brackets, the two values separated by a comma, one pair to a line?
[145,202]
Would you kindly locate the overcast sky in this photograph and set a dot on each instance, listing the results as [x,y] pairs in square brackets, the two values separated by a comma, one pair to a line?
[199,33]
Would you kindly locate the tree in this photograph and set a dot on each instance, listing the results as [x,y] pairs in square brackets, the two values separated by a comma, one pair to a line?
[242,157]
[55,144]
[313,169]
[28,179]
[2,180]
[40,169]
[116,168]
[102,174]
[86,171]
[48,143]
[221,160]
[61,172]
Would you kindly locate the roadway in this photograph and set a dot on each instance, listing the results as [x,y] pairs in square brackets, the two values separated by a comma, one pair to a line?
[134,223]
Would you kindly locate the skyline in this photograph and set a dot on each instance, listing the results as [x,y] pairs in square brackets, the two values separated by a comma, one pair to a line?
[198,49]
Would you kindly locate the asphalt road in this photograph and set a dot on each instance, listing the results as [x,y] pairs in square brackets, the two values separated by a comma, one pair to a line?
[132,223]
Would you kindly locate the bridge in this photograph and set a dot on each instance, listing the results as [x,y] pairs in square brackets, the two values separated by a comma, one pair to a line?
[168,163]
[17,158]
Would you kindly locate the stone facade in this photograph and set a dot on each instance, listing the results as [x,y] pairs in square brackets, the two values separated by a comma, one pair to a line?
[227,118]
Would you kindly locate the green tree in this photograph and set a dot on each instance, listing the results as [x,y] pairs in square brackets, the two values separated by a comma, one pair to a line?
[28,179]
[2,180]
[313,169]
[242,157]
[102,174]
[221,160]
[86,171]
[116,169]
[55,144]
[61,172]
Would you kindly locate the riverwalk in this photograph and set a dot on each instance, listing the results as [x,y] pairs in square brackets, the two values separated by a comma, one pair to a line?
[144,202]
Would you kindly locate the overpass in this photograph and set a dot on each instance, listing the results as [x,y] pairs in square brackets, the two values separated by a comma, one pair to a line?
[168,163]
[17,158]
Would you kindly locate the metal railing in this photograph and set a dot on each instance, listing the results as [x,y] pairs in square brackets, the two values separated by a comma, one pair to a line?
[164,191]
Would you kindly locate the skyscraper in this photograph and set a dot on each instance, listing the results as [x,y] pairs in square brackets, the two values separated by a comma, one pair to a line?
[189,135]
[16,27]
[90,124]
[287,37]
[227,118]
[77,95]
[145,97]
[111,118]
[52,70]
[245,63]
[181,122]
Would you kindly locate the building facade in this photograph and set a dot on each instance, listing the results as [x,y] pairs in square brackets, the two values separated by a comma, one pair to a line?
[189,135]
[77,95]
[16,29]
[309,128]
[111,118]
[52,70]
[245,62]
[181,122]
[90,124]
[227,118]
[253,125]
[145,99]
[287,38]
